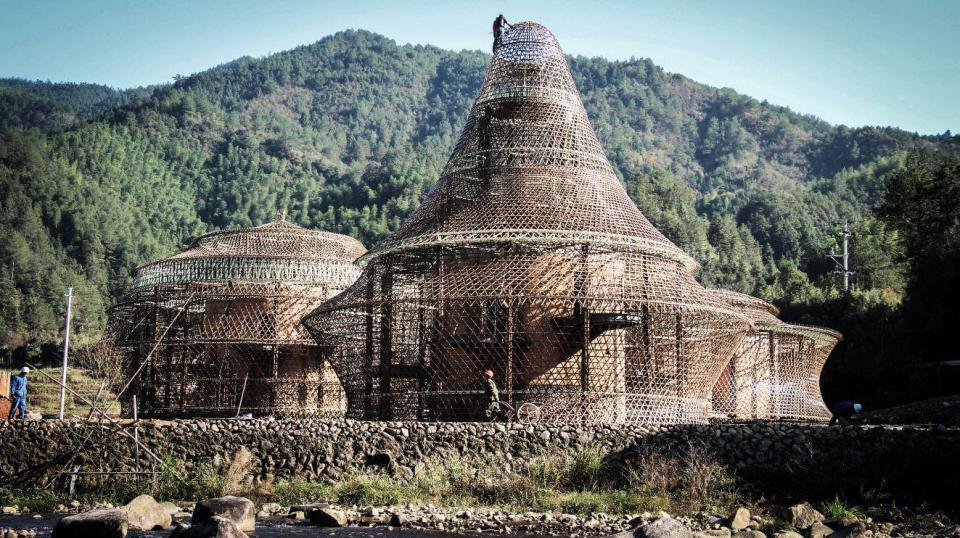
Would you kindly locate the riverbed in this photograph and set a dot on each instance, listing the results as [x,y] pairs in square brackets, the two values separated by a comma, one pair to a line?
[44,526]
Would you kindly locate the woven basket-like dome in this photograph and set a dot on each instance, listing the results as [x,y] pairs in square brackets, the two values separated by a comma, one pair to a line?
[277,251]
[528,259]
[775,371]
[216,328]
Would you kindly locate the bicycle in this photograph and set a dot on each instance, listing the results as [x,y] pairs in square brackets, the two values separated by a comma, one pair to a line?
[525,413]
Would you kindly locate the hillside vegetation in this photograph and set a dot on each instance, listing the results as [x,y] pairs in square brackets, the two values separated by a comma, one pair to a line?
[349,133]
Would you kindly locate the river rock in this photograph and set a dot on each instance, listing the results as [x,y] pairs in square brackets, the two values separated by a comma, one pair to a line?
[103,523]
[722,532]
[740,519]
[665,527]
[145,513]
[818,530]
[270,509]
[749,534]
[851,531]
[239,510]
[327,517]
[169,508]
[212,527]
[803,516]
[305,508]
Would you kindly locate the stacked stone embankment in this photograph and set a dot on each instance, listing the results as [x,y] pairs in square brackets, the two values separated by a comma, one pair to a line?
[899,457]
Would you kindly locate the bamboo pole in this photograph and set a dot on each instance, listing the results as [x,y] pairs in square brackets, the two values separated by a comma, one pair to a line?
[103,415]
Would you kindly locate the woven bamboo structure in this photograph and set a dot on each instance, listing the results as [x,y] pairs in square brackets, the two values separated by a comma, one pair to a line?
[775,371]
[216,328]
[529,259]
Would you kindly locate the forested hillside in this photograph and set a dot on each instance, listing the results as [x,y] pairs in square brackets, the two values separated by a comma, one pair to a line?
[349,133]
[47,105]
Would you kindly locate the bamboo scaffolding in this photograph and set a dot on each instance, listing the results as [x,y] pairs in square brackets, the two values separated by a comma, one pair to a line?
[529,259]
[215,330]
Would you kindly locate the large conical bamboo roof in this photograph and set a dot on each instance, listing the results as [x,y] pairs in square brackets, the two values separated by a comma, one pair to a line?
[529,166]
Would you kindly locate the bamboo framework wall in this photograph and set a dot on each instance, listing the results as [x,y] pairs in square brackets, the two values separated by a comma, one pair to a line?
[216,329]
[529,259]
[775,371]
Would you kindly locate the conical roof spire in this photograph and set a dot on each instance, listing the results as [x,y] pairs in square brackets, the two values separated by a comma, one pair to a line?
[528,259]
[528,163]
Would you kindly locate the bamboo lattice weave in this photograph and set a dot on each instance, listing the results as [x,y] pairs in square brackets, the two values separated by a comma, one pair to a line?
[775,371]
[216,328]
[528,259]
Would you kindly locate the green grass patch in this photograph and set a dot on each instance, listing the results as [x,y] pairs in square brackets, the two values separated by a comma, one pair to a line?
[581,482]
[838,508]
[34,499]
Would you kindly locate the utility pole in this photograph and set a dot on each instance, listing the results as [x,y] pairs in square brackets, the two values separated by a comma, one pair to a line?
[66,351]
[843,259]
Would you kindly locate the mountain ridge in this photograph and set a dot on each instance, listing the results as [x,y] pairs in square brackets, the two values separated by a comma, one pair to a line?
[349,133]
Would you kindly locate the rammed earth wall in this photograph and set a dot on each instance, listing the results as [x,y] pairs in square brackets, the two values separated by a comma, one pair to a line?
[921,462]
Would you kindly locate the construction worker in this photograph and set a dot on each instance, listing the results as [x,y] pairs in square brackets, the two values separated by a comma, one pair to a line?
[492,396]
[498,25]
[18,393]
[843,411]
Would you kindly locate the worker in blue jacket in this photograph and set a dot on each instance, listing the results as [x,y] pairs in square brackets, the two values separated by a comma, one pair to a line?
[843,411]
[18,393]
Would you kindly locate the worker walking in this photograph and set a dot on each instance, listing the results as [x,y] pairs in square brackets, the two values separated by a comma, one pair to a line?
[498,25]
[843,411]
[18,393]
[492,395]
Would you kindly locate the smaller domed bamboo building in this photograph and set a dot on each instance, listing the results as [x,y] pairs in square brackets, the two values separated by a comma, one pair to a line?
[215,330]
[775,371]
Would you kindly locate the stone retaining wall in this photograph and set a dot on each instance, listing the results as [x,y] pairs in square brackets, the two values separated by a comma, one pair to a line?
[35,453]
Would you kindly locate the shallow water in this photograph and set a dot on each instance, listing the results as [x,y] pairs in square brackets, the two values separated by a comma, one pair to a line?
[44,527]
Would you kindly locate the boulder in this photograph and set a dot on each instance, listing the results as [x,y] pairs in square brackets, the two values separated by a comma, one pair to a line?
[665,527]
[270,509]
[145,513]
[103,523]
[239,510]
[803,515]
[740,519]
[748,534]
[713,533]
[327,517]
[212,527]
[818,530]
[787,534]
[169,508]
[851,531]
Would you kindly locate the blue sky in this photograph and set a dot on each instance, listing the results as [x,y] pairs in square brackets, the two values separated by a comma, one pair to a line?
[857,62]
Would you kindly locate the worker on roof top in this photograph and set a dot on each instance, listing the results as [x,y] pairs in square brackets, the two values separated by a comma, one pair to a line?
[18,393]
[498,25]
